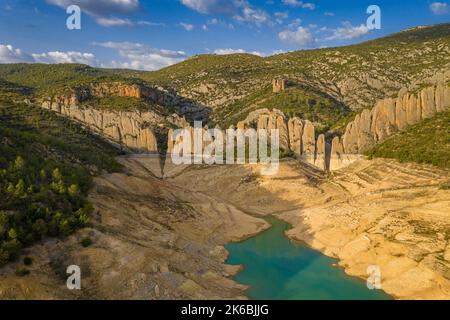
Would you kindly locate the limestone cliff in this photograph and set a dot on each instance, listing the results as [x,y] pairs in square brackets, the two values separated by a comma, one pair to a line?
[123,128]
[133,130]
[161,96]
[369,127]
[392,115]
[296,135]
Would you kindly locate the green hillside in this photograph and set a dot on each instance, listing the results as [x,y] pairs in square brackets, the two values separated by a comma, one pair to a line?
[427,142]
[46,165]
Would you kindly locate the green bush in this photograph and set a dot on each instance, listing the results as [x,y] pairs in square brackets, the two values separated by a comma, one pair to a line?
[86,242]
[27,261]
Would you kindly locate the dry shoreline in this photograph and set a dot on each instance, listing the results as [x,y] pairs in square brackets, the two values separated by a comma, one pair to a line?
[382,223]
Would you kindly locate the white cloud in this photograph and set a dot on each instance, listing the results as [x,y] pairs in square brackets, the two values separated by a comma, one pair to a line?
[114,22]
[282,15]
[254,16]
[9,54]
[299,4]
[217,22]
[150,24]
[65,57]
[240,10]
[234,51]
[134,56]
[141,57]
[300,37]
[101,8]
[348,31]
[103,11]
[187,26]
[329,14]
[278,51]
[213,6]
[256,53]
[117,22]
[294,24]
[439,8]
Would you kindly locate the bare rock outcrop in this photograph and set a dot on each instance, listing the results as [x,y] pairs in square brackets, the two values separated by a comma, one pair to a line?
[367,129]
[127,129]
[320,156]
[295,128]
[283,131]
[309,142]
[133,130]
[392,115]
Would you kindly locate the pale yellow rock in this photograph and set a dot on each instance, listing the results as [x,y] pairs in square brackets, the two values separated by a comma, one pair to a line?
[295,135]
[400,114]
[428,103]
[383,120]
[263,122]
[124,128]
[413,109]
[337,157]
[365,136]
[309,143]
[283,132]
[391,115]
[320,159]
[442,98]
[350,139]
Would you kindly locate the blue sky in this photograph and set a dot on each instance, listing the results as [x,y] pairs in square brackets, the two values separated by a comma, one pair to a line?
[151,34]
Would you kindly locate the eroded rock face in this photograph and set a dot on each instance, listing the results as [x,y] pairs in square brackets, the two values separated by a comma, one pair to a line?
[383,123]
[131,130]
[366,130]
[295,128]
[308,143]
[127,129]
[337,151]
[350,138]
[320,158]
[283,131]
[390,116]
[161,96]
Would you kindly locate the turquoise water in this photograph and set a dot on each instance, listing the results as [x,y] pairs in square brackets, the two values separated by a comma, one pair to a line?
[277,269]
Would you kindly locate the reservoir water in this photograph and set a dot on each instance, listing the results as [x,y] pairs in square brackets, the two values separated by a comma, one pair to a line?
[275,268]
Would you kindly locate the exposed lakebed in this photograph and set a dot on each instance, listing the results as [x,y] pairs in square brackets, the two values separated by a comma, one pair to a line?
[276,268]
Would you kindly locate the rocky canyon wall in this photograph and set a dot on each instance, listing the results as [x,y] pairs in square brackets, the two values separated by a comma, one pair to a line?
[168,98]
[388,117]
[298,136]
[123,128]
[130,130]
[364,132]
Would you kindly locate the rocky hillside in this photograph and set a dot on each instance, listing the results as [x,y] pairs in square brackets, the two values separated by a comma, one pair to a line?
[325,87]
[354,76]
[99,88]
